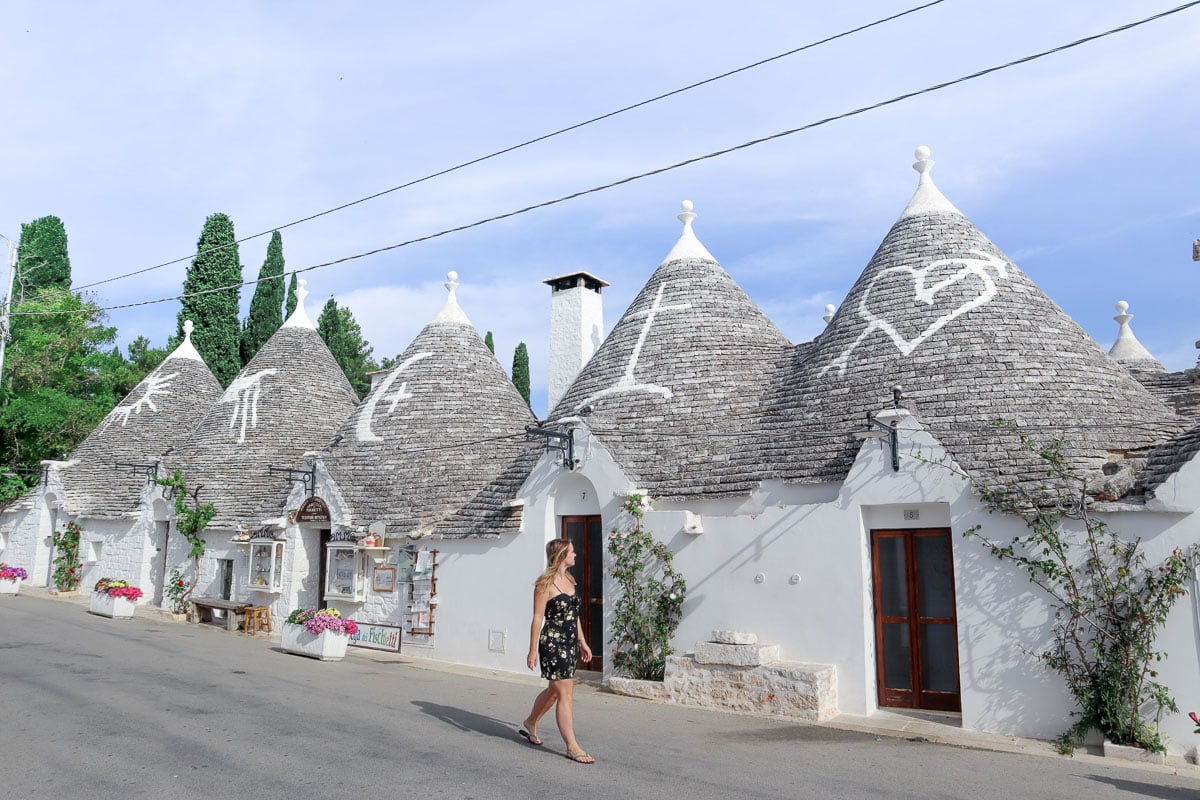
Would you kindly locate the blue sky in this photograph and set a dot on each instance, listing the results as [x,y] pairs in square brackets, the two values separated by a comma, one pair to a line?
[134,121]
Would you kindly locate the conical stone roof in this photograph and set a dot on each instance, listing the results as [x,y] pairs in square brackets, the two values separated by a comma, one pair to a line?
[437,429]
[941,312]
[290,399]
[159,413]
[680,378]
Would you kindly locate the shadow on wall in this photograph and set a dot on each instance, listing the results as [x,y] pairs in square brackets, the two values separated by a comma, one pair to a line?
[1003,624]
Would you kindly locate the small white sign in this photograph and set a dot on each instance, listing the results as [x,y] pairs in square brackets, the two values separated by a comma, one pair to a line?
[912,513]
[377,637]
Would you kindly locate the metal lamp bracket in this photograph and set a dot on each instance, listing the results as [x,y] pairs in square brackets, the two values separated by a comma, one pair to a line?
[557,440]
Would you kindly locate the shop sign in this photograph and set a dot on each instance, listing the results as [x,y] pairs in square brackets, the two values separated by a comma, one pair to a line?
[377,637]
[313,510]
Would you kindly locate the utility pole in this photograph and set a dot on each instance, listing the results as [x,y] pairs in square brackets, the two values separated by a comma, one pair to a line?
[1196,250]
[4,320]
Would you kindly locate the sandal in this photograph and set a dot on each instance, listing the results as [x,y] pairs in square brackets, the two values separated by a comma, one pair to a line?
[581,758]
[531,737]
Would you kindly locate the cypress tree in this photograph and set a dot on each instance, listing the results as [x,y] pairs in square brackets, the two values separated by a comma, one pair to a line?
[291,297]
[491,345]
[266,308]
[343,337]
[520,371]
[42,260]
[218,331]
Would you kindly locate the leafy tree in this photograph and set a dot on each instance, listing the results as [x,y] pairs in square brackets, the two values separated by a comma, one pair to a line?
[191,518]
[343,336]
[491,344]
[520,371]
[266,308]
[59,377]
[42,260]
[291,297]
[217,336]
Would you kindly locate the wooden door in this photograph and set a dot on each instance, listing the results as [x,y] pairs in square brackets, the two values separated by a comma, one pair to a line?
[916,629]
[587,536]
[324,538]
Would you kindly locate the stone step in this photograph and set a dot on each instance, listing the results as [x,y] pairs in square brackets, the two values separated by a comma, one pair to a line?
[736,655]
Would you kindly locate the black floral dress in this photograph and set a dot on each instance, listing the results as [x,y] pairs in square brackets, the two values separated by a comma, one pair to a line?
[558,644]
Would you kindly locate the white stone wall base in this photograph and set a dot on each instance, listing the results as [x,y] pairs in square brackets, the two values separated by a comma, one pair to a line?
[1124,753]
[325,645]
[105,605]
[784,688]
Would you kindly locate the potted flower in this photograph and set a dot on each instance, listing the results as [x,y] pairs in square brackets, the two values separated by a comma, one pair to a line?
[318,632]
[114,598]
[10,578]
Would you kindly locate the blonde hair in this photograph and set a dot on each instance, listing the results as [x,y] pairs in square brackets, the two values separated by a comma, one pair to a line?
[556,553]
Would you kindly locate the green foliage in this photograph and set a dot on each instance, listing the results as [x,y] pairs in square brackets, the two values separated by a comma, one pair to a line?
[177,590]
[42,259]
[13,485]
[191,518]
[1110,603]
[291,297]
[650,598]
[59,380]
[266,307]
[343,337]
[520,371]
[490,342]
[218,332]
[67,568]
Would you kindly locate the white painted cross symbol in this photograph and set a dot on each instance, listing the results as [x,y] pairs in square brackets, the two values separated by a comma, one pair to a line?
[626,383]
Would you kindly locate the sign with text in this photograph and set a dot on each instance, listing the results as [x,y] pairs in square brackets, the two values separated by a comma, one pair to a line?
[313,510]
[377,637]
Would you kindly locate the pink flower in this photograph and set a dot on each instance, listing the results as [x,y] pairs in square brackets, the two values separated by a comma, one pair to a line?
[1195,719]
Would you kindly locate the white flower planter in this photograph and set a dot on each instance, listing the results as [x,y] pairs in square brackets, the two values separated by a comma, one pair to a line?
[10,586]
[326,645]
[105,605]
[1124,753]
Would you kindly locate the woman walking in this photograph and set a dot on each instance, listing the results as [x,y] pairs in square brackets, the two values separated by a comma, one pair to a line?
[556,639]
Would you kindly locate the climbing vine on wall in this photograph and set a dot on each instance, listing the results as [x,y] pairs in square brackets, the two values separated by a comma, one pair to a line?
[67,567]
[191,518]
[649,605]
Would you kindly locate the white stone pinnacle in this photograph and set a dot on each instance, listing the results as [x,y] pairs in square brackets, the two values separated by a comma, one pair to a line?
[299,317]
[830,310]
[186,349]
[928,198]
[1127,348]
[451,312]
[688,245]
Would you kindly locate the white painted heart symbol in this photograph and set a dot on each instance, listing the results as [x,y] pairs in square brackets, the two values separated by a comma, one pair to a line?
[926,294]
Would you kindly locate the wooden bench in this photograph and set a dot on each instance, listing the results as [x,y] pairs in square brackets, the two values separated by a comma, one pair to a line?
[233,610]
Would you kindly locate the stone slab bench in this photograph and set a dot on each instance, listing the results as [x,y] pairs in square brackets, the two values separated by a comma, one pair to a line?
[234,611]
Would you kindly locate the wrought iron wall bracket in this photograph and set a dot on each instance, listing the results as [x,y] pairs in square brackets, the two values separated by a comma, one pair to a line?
[556,440]
[149,470]
[306,476]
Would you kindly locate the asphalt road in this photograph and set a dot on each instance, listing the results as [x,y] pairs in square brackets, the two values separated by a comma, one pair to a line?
[92,708]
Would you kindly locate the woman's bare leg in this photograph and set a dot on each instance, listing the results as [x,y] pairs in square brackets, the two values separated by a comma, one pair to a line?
[541,704]
[564,714]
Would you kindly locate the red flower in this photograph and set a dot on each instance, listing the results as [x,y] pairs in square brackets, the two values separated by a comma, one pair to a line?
[1195,719]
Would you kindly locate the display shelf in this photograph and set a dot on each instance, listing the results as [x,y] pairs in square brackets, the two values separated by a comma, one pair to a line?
[265,573]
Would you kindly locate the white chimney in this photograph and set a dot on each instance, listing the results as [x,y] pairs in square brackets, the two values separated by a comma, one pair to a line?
[576,328]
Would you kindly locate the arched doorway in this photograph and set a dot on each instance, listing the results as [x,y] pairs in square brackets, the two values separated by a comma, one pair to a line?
[577,513]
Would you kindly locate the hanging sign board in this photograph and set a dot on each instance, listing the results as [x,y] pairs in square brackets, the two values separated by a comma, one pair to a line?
[313,510]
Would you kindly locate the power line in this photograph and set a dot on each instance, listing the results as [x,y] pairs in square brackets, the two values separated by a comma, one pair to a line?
[527,142]
[660,170]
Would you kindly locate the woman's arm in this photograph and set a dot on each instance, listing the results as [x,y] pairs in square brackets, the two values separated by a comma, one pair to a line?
[585,651]
[539,614]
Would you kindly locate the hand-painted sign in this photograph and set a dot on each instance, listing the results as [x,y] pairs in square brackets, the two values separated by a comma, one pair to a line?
[377,637]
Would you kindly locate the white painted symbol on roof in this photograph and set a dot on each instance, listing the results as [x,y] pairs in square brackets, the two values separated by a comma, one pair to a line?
[626,383]
[362,428]
[155,385]
[927,294]
[244,393]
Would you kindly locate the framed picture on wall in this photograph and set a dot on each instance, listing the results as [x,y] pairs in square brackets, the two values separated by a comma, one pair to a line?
[383,579]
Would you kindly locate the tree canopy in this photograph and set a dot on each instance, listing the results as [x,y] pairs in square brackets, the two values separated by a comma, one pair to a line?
[291,297]
[42,259]
[520,371]
[266,307]
[217,336]
[343,336]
